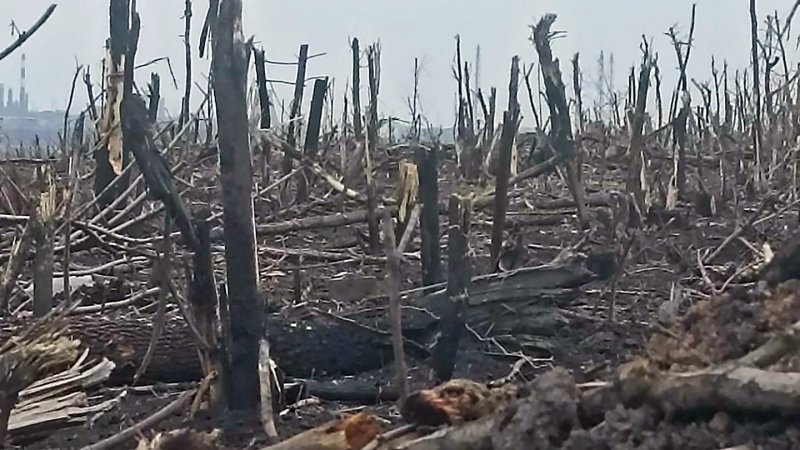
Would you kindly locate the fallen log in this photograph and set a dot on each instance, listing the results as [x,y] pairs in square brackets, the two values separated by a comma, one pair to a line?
[123,336]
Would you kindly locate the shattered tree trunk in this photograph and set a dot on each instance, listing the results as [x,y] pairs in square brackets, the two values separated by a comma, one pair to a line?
[229,68]
[458,278]
[108,158]
[358,128]
[203,298]
[561,131]
[294,113]
[372,148]
[635,182]
[312,136]
[43,240]
[501,184]
[428,172]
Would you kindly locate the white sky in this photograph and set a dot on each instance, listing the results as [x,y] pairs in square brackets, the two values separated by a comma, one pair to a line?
[407,29]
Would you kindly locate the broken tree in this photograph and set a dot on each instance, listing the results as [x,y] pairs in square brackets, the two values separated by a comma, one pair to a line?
[229,69]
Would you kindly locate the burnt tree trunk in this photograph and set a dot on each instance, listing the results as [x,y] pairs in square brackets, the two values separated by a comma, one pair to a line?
[119,13]
[428,172]
[263,92]
[561,131]
[229,69]
[155,97]
[372,139]
[458,278]
[187,89]
[203,298]
[358,128]
[312,136]
[501,183]
[297,104]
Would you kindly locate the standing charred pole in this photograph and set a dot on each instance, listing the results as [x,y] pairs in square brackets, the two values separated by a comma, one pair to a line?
[229,70]
[373,57]
[187,90]
[757,125]
[297,103]
[428,172]
[510,120]
[458,277]
[636,149]
[561,128]
[358,128]
[265,120]
[108,157]
[312,136]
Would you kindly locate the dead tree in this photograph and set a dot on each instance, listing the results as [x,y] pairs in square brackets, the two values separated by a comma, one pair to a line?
[458,278]
[109,158]
[358,128]
[428,172]
[312,136]
[373,58]
[203,298]
[510,120]
[155,97]
[229,69]
[187,89]
[636,149]
[297,104]
[577,87]
[757,124]
[393,284]
[43,240]
[561,127]
[263,93]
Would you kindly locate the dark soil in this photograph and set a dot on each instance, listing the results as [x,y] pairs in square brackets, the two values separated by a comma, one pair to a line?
[602,326]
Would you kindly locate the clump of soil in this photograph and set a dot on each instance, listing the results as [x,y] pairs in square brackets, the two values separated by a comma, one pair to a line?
[551,418]
[727,327]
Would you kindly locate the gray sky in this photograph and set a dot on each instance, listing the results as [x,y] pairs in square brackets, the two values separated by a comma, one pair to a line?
[408,29]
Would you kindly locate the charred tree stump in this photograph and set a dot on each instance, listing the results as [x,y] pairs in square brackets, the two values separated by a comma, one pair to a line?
[263,92]
[229,68]
[155,97]
[373,57]
[358,128]
[561,131]
[297,104]
[393,284]
[105,172]
[458,277]
[203,298]
[312,136]
[636,149]
[43,241]
[501,184]
[428,172]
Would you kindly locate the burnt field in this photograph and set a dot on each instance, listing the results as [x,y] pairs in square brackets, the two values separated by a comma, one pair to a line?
[623,276]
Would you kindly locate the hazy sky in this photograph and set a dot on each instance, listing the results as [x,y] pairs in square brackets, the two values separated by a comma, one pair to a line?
[408,29]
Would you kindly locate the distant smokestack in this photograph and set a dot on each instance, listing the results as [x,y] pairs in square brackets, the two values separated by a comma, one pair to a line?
[2,97]
[10,103]
[23,94]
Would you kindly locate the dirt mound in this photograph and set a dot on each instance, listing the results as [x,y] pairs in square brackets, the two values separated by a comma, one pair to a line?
[727,327]
[552,418]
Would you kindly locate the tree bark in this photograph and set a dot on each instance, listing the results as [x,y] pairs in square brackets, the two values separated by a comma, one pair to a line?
[312,136]
[458,277]
[501,183]
[428,172]
[229,69]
